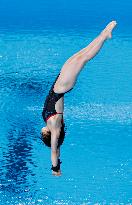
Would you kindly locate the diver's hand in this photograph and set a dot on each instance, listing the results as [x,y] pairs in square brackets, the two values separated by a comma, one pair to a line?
[56,170]
[57,173]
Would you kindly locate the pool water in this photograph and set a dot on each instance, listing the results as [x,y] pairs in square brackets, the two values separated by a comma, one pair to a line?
[96,155]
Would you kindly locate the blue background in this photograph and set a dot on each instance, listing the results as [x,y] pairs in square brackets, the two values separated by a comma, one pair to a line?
[41,14]
[36,38]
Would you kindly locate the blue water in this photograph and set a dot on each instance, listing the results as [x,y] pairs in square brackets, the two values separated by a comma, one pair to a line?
[36,38]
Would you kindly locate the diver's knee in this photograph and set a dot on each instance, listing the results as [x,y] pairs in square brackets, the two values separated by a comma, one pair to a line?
[80,59]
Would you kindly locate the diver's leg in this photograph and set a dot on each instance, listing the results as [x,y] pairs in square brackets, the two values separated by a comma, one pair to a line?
[74,65]
[106,31]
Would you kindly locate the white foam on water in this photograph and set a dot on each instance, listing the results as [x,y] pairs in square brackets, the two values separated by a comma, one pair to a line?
[101,112]
[34,108]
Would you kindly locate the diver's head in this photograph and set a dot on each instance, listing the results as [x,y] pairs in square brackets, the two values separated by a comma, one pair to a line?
[46,136]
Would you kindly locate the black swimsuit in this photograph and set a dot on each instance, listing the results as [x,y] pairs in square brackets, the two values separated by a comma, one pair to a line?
[49,105]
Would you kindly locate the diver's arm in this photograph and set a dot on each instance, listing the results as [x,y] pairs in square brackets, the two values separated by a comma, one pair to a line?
[55,152]
[54,143]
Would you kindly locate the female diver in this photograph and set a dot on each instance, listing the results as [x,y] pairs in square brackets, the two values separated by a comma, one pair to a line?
[53,133]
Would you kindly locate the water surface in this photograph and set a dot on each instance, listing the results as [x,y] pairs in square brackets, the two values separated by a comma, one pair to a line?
[96,154]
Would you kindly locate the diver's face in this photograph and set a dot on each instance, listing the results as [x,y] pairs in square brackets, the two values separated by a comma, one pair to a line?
[45,132]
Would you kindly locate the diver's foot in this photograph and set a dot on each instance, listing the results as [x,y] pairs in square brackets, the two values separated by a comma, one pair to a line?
[107,32]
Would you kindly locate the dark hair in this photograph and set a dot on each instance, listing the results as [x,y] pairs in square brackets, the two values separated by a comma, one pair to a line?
[47,138]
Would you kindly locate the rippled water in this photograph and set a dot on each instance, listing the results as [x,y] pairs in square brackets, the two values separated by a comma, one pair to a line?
[96,155]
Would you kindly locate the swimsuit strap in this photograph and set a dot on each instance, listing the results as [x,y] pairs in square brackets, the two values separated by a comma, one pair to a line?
[53,115]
